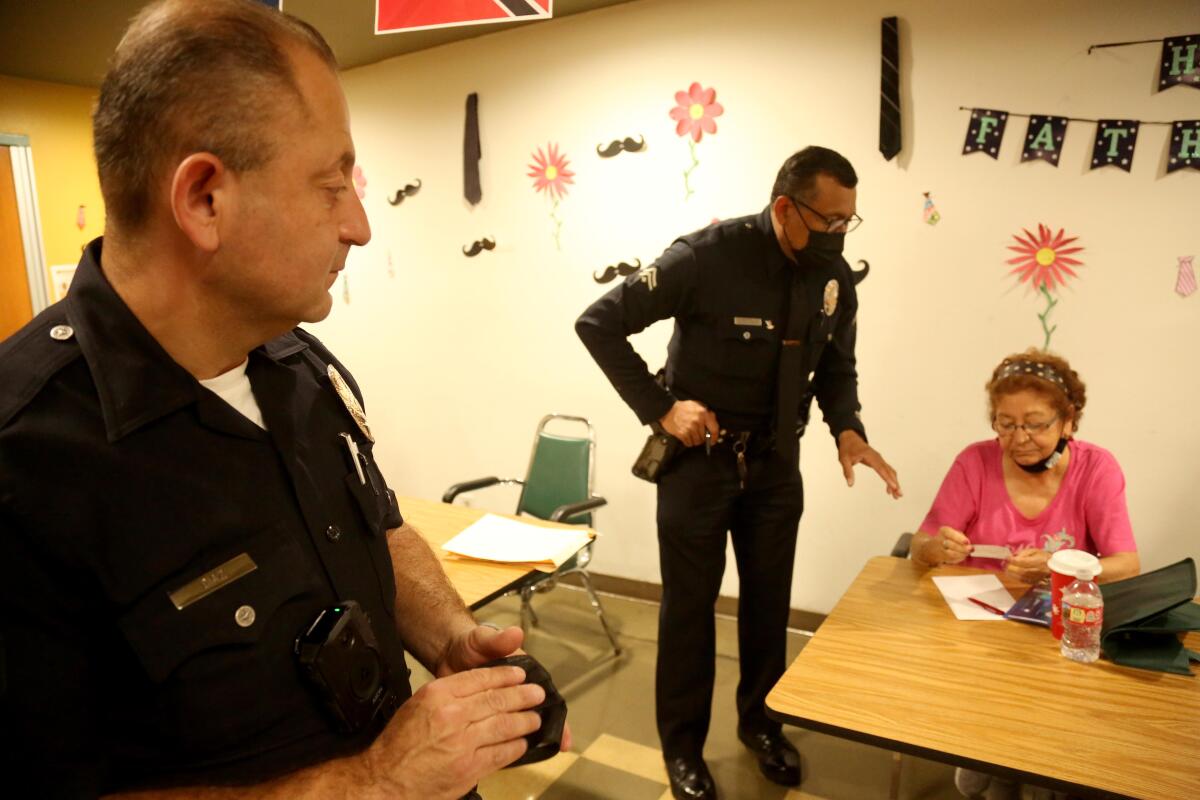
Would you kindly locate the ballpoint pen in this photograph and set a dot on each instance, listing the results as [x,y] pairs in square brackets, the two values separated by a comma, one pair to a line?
[982,604]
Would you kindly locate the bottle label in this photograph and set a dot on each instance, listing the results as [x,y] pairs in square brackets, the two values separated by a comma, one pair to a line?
[1088,617]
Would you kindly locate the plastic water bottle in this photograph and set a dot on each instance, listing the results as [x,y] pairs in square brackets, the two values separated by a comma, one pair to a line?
[1082,616]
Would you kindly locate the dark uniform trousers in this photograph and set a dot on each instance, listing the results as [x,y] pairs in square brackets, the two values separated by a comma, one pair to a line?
[699,500]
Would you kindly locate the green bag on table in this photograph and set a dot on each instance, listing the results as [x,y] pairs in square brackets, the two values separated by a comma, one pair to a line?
[1144,615]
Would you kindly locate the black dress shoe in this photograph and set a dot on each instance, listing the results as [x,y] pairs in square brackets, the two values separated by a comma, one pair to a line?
[778,760]
[690,779]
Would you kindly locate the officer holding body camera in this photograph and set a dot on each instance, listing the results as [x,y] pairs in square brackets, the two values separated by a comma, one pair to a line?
[764,309]
[187,482]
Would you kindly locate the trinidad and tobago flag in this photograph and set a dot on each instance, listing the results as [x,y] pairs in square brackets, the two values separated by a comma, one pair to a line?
[394,16]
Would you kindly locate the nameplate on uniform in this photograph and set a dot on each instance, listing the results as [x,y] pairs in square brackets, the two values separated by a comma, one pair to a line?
[212,580]
[749,322]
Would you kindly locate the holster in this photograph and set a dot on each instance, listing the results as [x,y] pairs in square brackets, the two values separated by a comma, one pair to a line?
[658,452]
[660,448]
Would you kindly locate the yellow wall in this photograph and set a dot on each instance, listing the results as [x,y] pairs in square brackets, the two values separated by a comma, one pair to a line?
[58,121]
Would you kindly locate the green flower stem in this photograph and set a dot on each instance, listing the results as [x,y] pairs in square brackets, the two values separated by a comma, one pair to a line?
[1050,304]
[688,172]
[557,224]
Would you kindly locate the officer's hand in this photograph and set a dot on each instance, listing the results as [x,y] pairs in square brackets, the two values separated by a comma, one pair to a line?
[454,731]
[688,420]
[853,450]
[482,644]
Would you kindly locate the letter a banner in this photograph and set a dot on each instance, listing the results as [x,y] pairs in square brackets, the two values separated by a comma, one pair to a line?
[1044,138]
[396,16]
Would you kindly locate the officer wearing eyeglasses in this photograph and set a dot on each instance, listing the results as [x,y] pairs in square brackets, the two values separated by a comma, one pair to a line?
[764,309]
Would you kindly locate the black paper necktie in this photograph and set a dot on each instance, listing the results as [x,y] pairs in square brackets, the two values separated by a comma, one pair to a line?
[472,152]
[791,371]
[889,91]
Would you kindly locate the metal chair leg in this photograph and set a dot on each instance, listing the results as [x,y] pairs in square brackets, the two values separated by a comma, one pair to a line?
[595,600]
[894,788]
[528,615]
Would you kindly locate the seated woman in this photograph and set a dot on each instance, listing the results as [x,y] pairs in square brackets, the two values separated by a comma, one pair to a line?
[1034,488]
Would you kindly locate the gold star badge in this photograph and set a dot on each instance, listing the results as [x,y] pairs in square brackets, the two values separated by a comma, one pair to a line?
[350,401]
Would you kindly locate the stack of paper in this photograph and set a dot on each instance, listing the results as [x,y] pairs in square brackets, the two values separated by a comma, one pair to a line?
[495,538]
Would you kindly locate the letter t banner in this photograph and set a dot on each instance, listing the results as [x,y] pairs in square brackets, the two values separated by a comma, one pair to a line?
[1180,62]
[1185,145]
[1044,138]
[1115,140]
[985,131]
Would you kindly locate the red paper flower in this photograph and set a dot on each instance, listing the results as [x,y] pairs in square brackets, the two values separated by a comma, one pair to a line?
[550,173]
[1044,259]
[696,111]
[360,182]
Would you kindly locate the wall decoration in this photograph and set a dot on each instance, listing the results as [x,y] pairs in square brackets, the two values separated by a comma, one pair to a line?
[408,191]
[81,217]
[1045,134]
[1115,140]
[360,181]
[930,212]
[345,288]
[478,246]
[859,275]
[1044,138]
[397,16]
[1045,262]
[889,90]
[621,269]
[391,268]
[550,175]
[1185,281]
[617,146]
[472,152]
[1185,145]
[1180,62]
[985,132]
[695,114]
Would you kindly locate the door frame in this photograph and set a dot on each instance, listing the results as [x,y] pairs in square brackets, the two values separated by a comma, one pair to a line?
[31,225]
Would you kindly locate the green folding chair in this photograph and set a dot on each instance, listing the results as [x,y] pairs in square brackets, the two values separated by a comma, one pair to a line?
[557,487]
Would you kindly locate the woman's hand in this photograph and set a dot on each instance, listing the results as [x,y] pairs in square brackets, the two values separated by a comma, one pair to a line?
[948,546]
[1029,565]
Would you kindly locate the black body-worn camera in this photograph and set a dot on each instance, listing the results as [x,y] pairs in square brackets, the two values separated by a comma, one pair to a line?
[546,740]
[339,656]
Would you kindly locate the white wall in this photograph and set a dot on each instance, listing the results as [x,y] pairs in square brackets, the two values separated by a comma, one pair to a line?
[460,357]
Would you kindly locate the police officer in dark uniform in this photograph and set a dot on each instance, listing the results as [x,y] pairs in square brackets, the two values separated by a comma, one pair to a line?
[187,480]
[764,309]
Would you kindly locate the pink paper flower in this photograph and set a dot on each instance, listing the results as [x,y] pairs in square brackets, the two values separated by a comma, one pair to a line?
[696,111]
[550,173]
[1044,259]
[360,182]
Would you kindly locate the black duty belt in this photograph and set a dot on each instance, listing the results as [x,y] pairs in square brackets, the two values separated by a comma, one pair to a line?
[743,444]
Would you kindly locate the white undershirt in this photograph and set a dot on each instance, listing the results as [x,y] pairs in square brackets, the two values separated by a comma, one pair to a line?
[234,388]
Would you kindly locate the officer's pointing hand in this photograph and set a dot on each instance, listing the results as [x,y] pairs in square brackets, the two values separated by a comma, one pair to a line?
[853,450]
[688,420]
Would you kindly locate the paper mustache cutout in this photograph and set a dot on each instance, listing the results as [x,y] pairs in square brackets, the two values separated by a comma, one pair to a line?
[859,274]
[479,246]
[629,145]
[408,191]
[619,269]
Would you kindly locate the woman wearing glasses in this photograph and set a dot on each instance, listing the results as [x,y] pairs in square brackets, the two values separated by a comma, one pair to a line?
[1034,488]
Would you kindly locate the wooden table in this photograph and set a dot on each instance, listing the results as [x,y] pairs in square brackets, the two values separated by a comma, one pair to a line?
[478,582]
[893,667]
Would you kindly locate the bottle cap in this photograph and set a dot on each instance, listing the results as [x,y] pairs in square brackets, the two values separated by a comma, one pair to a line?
[1084,573]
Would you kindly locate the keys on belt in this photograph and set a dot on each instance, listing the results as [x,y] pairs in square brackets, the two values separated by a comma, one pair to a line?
[738,441]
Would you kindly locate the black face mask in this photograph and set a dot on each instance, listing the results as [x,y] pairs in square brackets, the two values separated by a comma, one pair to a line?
[825,245]
[1050,461]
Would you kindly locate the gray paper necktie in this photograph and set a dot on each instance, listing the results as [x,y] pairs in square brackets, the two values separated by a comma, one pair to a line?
[889,91]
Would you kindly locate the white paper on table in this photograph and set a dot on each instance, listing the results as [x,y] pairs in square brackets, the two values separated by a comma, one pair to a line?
[496,538]
[957,588]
